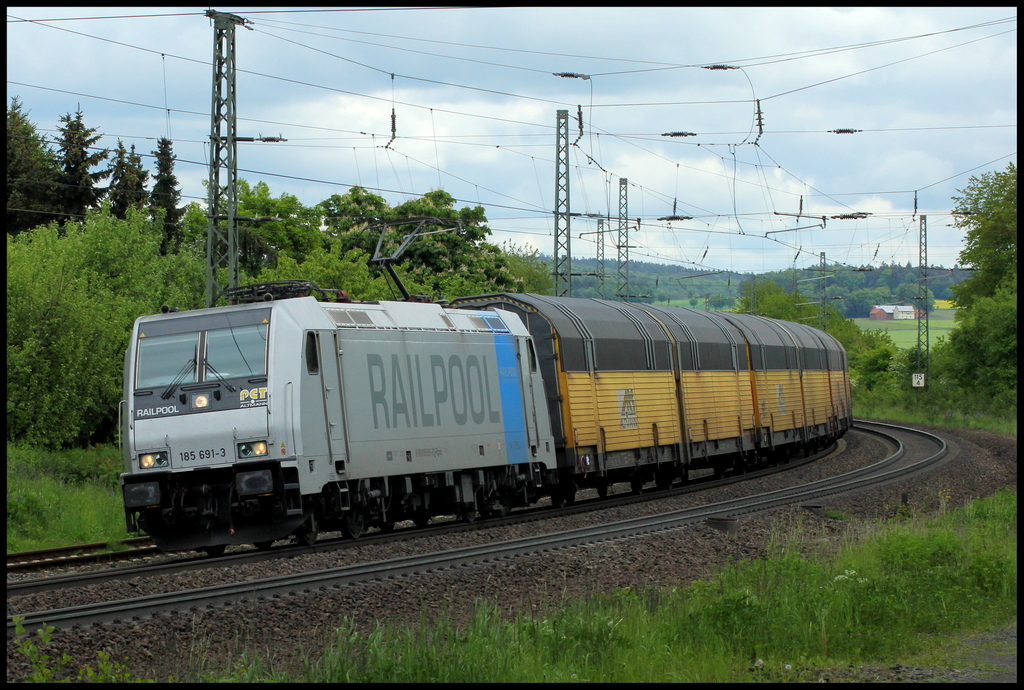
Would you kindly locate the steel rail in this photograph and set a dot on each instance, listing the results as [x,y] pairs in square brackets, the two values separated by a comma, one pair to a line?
[48,583]
[79,553]
[236,593]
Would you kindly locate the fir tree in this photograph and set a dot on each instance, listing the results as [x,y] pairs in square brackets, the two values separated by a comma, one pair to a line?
[31,173]
[77,190]
[166,196]
[128,182]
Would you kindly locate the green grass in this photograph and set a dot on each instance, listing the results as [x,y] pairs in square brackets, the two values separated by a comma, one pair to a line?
[58,498]
[881,598]
[904,333]
[782,618]
[1005,426]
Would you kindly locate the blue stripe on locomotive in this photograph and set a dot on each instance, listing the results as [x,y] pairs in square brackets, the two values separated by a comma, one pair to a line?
[511,398]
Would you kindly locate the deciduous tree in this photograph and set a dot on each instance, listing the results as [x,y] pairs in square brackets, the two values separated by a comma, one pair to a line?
[987,211]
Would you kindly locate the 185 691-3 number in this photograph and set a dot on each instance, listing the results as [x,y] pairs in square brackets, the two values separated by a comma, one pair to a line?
[205,454]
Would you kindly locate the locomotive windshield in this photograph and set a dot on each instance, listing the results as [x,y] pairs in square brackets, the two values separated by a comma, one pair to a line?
[161,359]
[236,352]
[228,353]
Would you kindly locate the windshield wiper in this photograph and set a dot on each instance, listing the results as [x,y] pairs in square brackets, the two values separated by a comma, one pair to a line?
[209,368]
[185,371]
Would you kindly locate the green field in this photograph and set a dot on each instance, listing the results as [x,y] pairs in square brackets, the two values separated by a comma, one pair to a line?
[904,333]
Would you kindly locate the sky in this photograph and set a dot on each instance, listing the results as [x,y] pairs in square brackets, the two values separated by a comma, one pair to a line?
[932,93]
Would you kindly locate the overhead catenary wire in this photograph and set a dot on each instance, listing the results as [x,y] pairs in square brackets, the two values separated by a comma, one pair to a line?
[759,170]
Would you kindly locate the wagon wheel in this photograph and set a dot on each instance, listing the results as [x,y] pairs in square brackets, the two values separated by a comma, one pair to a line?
[663,479]
[263,545]
[214,551]
[353,523]
[637,485]
[564,494]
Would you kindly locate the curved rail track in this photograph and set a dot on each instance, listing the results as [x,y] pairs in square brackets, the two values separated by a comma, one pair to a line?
[914,451]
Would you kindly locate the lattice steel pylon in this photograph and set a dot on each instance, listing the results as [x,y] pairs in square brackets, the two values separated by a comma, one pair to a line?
[222,232]
[563,257]
[822,307]
[622,290]
[922,319]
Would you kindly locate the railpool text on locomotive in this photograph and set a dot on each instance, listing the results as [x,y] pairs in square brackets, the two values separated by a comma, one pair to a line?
[455,383]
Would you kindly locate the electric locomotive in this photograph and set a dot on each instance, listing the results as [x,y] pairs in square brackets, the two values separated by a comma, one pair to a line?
[253,422]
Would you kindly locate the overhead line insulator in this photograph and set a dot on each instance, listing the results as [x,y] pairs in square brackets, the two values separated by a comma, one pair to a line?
[719,67]
[679,134]
[571,75]
[845,130]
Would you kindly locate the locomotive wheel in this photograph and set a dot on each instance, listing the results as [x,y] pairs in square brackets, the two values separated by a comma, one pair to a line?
[387,526]
[307,533]
[501,507]
[353,524]
[421,518]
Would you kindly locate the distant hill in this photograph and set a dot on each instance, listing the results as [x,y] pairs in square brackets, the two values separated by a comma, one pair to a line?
[861,288]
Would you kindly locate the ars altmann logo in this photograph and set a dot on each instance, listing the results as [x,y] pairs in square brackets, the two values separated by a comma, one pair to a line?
[627,408]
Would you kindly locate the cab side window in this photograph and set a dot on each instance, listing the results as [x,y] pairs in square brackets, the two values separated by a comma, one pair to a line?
[312,356]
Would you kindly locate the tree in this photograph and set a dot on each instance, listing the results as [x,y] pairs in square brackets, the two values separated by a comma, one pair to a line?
[352,210]
[77,190]
[988,212]
[334,269]
[127,182]
[295,234]
[773,301]
[527,266]
[72,296]
[165,198]
[31,173]
[454,263]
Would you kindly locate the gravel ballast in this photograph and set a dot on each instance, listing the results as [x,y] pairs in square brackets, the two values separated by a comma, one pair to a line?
[176,644]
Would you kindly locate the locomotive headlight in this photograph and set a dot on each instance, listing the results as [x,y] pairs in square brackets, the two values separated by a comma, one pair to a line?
[148,460]
[200,401]
[252,449]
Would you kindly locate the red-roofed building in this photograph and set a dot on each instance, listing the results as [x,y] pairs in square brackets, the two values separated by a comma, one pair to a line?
[894,312]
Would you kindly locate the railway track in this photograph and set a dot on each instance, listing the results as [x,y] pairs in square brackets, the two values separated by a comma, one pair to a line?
[78,554]
[915,451]
[451,526]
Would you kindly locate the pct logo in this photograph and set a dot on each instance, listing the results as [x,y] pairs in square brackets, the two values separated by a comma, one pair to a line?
[253,397]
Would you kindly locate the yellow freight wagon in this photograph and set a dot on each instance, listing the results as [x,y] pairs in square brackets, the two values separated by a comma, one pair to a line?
[639,392]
